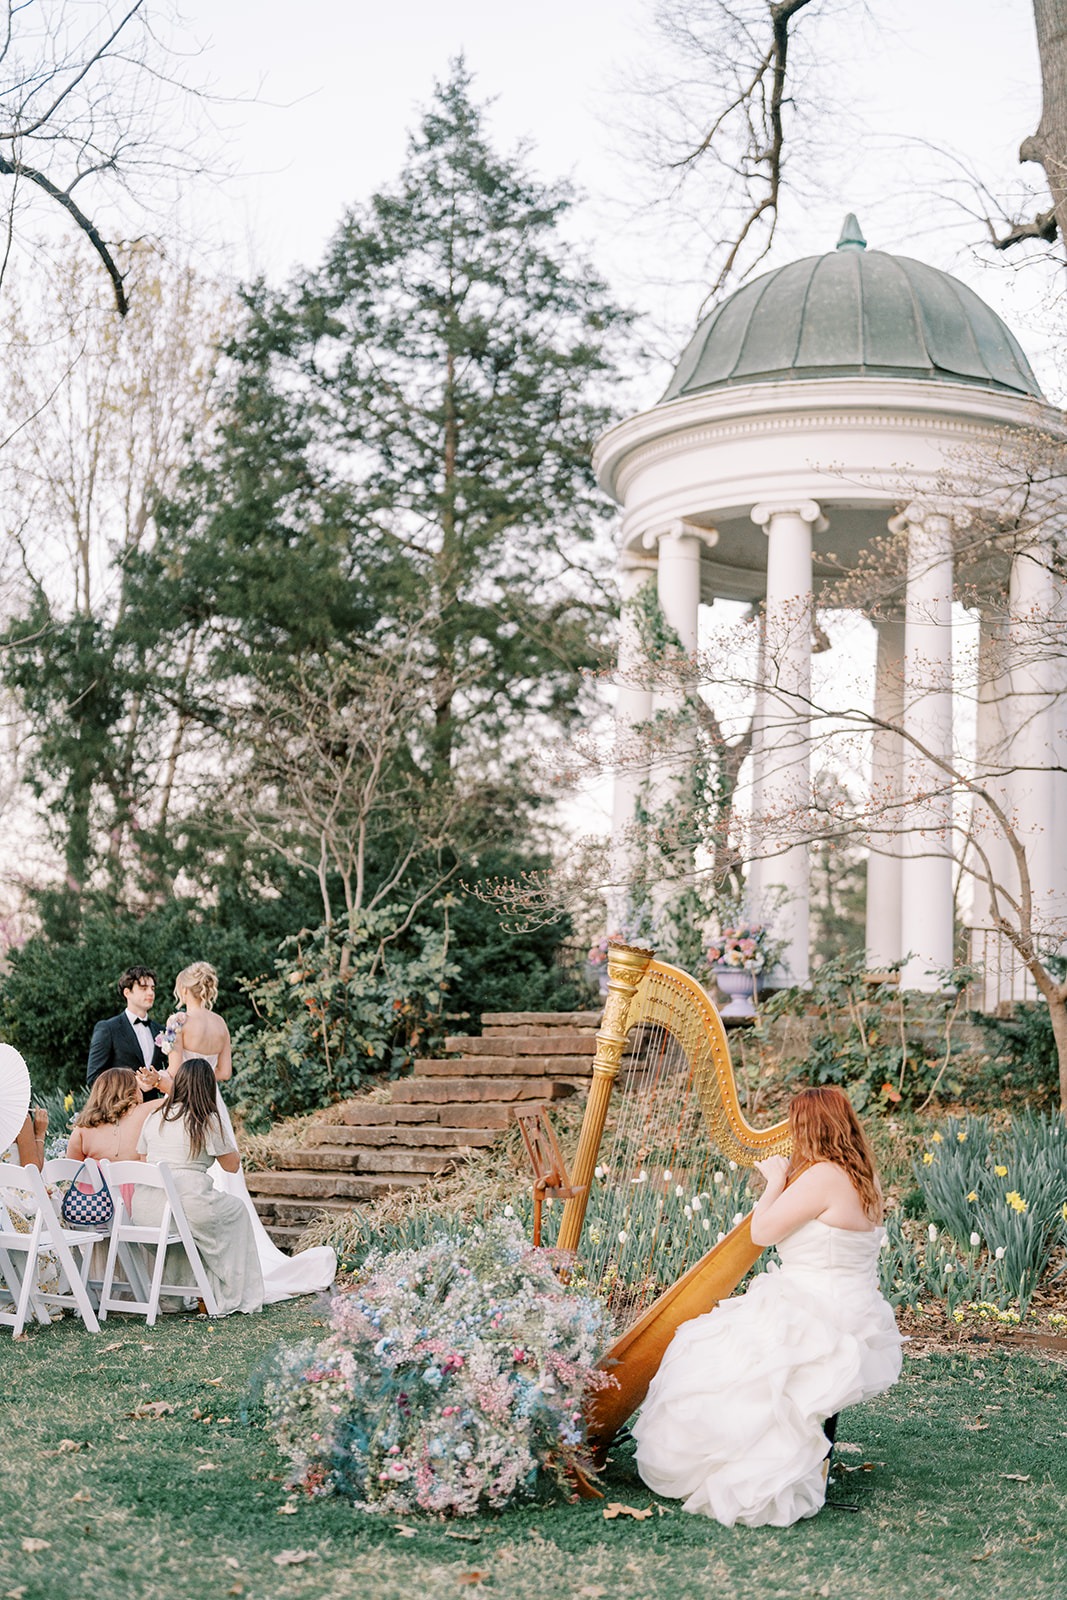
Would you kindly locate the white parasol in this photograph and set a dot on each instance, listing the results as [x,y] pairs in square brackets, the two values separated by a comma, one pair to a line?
[14,1094]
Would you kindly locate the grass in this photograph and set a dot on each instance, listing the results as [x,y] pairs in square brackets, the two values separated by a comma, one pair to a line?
[966,1496]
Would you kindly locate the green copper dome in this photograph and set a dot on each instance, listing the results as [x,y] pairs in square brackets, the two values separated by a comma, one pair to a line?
[853,312]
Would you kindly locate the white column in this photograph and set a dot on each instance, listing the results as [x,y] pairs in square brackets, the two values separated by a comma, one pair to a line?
[633,712]
[989,851]
[786,741]
[884,947]
[755,875]
[1032,606]
[678,549]
[927,886]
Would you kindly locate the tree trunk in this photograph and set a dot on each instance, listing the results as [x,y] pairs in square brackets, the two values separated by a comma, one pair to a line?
[1048,146]
[1057,1010]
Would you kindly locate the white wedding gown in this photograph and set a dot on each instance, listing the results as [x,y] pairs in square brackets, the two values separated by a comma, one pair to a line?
[733,1422]
[310,1271]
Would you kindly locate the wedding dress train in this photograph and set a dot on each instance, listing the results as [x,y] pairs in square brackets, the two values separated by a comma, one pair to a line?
[733,1422]
[308,1272]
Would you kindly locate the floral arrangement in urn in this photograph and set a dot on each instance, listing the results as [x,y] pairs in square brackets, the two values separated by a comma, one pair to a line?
[744,945]
[452,1376]
[598,950]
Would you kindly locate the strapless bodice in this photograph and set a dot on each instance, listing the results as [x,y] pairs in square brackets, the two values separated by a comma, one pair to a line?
[817,1247]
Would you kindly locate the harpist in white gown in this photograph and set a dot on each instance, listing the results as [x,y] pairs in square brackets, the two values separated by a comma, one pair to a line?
[305,1273]
[733,1422]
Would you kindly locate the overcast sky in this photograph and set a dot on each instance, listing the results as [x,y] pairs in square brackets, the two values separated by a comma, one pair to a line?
[339,85]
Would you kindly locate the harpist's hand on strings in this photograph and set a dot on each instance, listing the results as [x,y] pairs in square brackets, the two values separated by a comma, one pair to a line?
[775,1169]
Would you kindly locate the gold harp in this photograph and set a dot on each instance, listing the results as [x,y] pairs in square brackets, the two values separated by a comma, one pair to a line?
[677,1145]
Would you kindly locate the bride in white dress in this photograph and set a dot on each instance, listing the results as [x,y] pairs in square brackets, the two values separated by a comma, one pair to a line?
[734,1420]
[204,1033]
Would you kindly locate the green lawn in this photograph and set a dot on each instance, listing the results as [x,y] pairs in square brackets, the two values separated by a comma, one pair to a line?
[966,1496]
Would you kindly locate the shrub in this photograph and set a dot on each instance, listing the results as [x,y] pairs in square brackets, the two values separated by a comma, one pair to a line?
[453,1375]
[329,1020]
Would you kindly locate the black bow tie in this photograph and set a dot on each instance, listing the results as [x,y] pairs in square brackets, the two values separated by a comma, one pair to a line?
[141,1022]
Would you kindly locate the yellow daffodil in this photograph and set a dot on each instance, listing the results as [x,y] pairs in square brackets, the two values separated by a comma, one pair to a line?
[1016,1201]
[936,1137]
[962,1137]
[927,1159]
[1001,1172]
[972,1196]
[68,1102]
[1063,1211]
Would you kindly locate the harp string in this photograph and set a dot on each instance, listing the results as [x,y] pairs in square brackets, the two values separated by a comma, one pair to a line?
[663,1191]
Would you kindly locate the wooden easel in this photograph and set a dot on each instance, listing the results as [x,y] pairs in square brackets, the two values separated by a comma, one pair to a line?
[550,1172]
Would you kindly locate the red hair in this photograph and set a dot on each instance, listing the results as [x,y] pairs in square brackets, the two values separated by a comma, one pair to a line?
[825,1127]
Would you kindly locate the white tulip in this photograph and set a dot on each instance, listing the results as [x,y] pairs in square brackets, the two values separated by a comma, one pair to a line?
[931,1233]
[998,1253]
[976,1239]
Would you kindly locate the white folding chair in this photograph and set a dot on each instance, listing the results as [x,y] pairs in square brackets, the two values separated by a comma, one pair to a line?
[45,1236]
[64,1169]
[171,1229]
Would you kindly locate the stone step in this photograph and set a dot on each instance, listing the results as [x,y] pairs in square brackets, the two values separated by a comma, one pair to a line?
[490,1065]
[428,1135]
[361,1158]
[563,1043]
[484,1115]
[332,1185]
[535,1021]
[442,1091]
[286,1239]
[281,1213]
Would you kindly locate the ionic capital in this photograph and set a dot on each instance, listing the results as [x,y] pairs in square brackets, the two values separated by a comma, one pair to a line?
[680,529]
[807,510]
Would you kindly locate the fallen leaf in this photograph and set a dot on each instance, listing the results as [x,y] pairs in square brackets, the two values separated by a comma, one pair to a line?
[16,1594]
[31,1546]
[82,1497]
[214,1382]
[221,1420]
[617,1509]
[289,1509]
[475,1576]
[232,1561]
[471,1538]
[847,1449]
[1015,1477]
[404,1531]
[116,1344]
[591,1592]
[151,1408]
[236,1588]
[292,1558]
[66,1445]
[207,1466]
[983,1557]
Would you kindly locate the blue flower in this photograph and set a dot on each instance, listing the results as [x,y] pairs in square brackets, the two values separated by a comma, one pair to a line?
[432,1376]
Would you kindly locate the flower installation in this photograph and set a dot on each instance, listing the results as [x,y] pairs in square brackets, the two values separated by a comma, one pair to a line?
[742,946]
[453,1376]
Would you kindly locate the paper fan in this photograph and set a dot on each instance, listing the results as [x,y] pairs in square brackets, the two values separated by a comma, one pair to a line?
[14,1094]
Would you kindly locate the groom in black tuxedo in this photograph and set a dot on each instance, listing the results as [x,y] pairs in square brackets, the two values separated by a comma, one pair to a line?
[128,1040]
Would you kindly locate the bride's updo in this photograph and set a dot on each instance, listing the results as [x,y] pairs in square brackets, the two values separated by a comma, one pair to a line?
[201,981]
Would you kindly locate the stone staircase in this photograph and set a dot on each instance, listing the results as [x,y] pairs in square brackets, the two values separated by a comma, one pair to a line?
[450,1106]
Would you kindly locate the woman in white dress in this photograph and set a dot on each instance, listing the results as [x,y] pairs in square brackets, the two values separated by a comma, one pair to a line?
[734,1420]
[186,1132]
[203,1033]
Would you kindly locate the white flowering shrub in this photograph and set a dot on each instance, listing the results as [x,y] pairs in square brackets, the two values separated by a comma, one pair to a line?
[452,1378]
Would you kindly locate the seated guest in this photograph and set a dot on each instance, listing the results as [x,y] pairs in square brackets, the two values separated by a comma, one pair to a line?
[109,1124]
[29,1141]
[186,1132]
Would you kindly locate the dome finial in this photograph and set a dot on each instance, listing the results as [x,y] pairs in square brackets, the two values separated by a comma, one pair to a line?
[851,234]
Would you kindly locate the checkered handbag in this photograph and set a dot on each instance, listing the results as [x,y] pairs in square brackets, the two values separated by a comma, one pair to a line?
[87,1203]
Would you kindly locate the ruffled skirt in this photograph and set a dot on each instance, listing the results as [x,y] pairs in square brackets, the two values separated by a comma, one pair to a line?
[733,1422]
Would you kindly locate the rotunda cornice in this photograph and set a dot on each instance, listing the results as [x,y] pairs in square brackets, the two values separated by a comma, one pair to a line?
[811,406]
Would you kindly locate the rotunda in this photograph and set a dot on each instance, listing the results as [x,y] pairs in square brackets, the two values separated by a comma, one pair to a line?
[812,409]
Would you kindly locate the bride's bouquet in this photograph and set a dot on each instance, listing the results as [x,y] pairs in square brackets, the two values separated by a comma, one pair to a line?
[168,1034]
